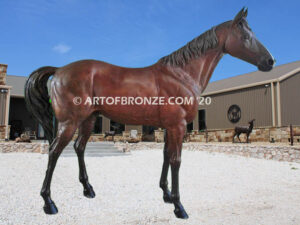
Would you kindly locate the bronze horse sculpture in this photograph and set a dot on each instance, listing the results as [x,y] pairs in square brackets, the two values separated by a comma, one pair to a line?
[183,73]
[238,130]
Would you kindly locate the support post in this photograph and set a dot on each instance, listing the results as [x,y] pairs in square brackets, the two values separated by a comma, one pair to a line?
[278,104]
[273,105]
[7,113]
[291,135]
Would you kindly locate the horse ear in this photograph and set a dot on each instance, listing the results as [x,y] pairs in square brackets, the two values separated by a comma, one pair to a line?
[241,14]
[246,13]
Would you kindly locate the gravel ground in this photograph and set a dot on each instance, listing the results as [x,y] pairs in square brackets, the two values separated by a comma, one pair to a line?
[215,189]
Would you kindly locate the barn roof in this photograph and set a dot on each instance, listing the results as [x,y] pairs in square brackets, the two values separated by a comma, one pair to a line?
[278,73]
[17,83]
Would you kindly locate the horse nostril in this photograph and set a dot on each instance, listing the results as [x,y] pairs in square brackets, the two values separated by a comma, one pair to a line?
[271,62]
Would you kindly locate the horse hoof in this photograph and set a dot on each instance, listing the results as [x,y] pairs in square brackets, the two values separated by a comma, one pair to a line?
[89,193]
[167,197]
[181,213]
[50,209]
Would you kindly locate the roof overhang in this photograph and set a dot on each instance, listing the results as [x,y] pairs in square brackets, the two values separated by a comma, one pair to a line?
[281,78]
[17,96]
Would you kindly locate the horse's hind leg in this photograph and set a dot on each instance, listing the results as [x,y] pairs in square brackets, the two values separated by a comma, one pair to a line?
[164,175]
[84,133]
[65,133]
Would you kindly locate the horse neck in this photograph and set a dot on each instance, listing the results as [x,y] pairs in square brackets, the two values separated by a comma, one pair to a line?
[250,126]
[202,68]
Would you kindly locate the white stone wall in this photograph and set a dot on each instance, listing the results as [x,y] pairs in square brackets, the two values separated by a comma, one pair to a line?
[6,147]
[270,151]
[266,151]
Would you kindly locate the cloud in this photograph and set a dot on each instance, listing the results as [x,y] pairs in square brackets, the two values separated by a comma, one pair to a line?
[61,48]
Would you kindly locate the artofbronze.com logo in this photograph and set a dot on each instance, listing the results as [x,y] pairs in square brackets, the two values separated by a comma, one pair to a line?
[124,100]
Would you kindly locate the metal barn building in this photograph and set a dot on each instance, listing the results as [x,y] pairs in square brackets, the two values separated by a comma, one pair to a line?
[272,98]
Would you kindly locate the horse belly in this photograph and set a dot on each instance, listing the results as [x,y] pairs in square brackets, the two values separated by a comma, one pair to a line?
[132,114]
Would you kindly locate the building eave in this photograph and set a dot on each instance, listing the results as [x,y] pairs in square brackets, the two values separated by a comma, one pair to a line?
[17,96]
[281,78]
[289,74]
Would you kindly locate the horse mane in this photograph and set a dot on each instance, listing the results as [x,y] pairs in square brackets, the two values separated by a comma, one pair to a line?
[193,49]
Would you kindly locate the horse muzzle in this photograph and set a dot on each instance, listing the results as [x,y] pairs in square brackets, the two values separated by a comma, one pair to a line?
[266,64]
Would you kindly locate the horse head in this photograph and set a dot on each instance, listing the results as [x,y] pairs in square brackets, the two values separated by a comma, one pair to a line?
[251,121]
[241,43]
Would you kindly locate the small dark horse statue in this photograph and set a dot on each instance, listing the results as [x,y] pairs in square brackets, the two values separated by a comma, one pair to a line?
[109,133]
[238,130]
[184,73]
[112,133]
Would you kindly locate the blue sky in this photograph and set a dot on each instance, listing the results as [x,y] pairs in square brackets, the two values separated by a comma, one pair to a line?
[130,33]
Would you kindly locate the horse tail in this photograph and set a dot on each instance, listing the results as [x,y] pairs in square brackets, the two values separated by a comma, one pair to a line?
[38,101]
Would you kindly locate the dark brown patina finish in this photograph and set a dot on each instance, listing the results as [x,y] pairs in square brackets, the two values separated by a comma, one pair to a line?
[184,73]
[238,130]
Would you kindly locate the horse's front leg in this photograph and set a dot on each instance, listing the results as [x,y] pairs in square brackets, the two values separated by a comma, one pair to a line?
[164,175]
[175,137]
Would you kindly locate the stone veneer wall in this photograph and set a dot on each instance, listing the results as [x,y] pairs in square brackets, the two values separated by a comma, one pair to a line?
[3,69]
[6,147]
[270,151]
[279,152]
[278,134]
[2,131]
